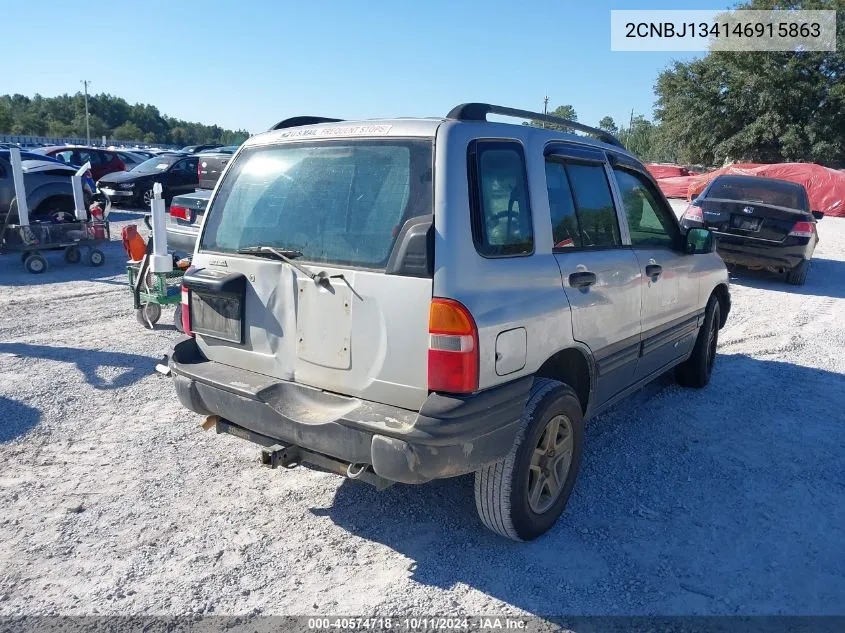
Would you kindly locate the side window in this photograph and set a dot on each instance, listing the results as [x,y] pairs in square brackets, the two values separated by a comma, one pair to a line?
[501,213]
[565,231]
[65,156]
[648,219]
[179,167]
[91,156]
[599,227]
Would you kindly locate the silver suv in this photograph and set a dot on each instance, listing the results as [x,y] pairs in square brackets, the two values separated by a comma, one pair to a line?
[411,299]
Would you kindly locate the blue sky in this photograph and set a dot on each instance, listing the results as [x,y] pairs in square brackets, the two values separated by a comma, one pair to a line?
[250,63]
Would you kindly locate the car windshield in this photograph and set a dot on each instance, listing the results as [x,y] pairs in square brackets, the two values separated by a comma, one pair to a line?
[759,190]
[340,202]
[154,165]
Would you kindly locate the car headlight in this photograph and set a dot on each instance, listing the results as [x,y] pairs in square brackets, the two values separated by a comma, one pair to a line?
[127,185]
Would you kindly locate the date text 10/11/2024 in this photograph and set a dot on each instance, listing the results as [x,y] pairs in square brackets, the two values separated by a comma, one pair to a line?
[417,624]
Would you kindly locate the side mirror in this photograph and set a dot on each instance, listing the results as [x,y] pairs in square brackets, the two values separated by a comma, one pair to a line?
[700,241]
[818,214]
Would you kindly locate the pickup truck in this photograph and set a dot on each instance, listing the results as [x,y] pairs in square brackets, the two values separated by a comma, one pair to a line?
[187,209]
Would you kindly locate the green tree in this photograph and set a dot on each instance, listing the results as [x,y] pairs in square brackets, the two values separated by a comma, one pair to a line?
[608,125]
[178,135]
[59,128]
[639,138]
[563,112]
[127,132]
[95,124]
[6,120]
[757,106]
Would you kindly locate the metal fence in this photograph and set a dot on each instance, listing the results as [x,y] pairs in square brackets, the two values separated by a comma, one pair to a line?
[30,141]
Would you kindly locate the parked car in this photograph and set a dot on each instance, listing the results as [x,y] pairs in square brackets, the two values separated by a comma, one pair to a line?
[145,153]
[176,172]
[102,161]
[759,223]
[131,159]
[187,210]
[412,299]
[196,149]
[48,187]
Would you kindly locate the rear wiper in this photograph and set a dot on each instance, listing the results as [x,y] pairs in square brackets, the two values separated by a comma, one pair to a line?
[286,255]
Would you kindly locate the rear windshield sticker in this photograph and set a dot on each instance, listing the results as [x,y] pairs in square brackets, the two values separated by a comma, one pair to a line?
[348,130]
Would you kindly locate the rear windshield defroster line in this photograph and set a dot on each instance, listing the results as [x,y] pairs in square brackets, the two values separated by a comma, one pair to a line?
[337,202]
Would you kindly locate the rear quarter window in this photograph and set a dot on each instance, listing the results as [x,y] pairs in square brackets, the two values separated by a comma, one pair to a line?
[339,202]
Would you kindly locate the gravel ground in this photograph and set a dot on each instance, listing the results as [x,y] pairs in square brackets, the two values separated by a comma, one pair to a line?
[114,501]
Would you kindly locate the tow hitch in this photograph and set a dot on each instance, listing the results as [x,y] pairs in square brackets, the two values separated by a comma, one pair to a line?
[278,455]
[274,454]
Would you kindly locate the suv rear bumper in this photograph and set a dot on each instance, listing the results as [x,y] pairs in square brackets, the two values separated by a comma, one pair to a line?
[450,435]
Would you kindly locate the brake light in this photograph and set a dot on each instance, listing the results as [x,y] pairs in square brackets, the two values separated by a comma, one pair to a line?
[452,348]
[199,170]
[693,213]
[186,311]
[180,212]
[802,229]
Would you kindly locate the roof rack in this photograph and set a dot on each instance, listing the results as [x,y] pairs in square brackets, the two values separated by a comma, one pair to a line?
[302,120]
[479,112]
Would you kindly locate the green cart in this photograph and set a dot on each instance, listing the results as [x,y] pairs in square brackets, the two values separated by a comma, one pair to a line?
[154,290]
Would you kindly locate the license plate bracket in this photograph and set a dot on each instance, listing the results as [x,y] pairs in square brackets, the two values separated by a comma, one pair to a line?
[218,315]
[745,223]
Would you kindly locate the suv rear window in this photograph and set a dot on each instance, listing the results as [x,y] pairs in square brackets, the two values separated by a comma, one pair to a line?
[339,202]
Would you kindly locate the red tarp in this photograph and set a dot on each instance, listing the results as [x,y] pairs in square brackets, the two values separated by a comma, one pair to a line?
[825,186]
[666,171]
[676,187]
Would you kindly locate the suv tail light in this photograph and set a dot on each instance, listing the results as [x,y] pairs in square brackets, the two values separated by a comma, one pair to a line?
[199,169]
[452,348]
[180,212]
[693,213]
[186,311]
[802,229]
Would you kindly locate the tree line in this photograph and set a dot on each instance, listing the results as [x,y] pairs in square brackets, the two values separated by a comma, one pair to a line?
[109,116]
[764,107]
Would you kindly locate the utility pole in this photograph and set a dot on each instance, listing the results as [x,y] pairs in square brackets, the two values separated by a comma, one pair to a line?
[85,83]
[545,107]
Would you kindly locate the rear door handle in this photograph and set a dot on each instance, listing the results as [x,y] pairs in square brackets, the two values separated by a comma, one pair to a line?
[653,270]
[582,279]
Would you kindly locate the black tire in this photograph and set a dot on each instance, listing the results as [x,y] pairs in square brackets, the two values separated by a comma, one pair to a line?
[148,315]
[697,369]
[51,206]
[35,264]
[502,488]
[177,319]
[96,257]
[798,275]
[146,198]
[73,255]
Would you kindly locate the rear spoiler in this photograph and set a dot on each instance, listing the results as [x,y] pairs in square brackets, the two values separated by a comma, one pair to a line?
[302,120]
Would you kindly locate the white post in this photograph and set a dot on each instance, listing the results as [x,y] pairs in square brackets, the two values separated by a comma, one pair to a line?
[78,197]
[20,189]
[160,261]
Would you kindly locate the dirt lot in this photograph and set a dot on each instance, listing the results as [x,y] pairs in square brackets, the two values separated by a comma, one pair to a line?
[114,501]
